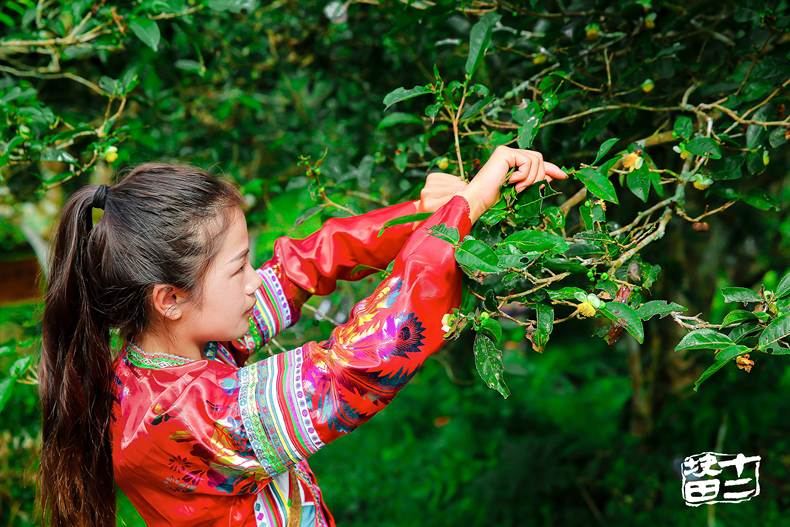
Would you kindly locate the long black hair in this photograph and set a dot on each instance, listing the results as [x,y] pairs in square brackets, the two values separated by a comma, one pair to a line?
[162,223]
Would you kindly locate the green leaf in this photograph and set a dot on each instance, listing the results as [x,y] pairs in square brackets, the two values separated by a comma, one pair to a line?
[20,366]
[701,339]
[563,264]
[704,146]
[479,40]
[638,182]
[540,241]
[306,215]
[406,219]
[777,330]
[550,101]
[492,327]
[566,293]
[597,183]
[401,160]
[683,127]
[739,294]
[755,133]
[477,255]
[397,118]
[432,110]
[625,316]
[488,361]
[604,149]
[760,200]
[544,326]
[56,154]
[402,94]
[720,360]
[777,137]
[495,214]
[529,118]
[448,234]
[191,66]
[110,85]
[658,307]
[6,387]
[783,289]
[509,256]
[234,6]
[740,332]
[146,30]
[469,111]
[739,315]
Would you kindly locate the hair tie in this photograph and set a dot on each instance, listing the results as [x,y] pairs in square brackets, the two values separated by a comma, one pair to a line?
[99,197]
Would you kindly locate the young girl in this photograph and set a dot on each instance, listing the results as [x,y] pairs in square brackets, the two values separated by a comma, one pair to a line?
[191,432]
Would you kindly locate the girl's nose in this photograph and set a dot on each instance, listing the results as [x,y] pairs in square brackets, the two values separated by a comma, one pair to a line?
[254,283]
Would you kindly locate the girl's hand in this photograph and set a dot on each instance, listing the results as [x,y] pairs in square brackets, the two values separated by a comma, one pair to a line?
[439,188]
[483,191]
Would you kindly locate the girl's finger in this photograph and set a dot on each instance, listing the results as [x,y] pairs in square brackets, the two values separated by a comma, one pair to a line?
[534,169]
[554,171]
[523,185]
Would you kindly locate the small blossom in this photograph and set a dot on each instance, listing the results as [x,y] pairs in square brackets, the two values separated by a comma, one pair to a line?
[586,309]
[632,161]
[446,321]
[744,362]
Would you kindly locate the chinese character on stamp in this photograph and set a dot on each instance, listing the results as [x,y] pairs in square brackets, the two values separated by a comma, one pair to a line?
[711,477]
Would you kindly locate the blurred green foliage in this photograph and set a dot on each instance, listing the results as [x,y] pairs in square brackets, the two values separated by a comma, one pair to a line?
[672,119]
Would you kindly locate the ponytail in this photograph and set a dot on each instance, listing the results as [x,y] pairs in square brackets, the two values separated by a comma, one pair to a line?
[162,224]
[76,476]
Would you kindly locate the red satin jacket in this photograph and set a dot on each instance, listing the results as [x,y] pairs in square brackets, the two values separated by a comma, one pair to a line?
[221,442]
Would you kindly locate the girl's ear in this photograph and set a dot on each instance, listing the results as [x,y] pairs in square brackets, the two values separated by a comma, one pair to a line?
[167,301]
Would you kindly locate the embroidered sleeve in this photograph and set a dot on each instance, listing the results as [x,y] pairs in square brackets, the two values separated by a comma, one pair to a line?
[345,248]
[295,402]
[342,249]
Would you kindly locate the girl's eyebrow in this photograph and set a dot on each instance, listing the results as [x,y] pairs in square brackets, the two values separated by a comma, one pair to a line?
[242,254]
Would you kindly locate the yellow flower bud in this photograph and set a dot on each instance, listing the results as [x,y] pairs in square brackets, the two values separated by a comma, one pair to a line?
[111,154]
[701,185]
[592,31]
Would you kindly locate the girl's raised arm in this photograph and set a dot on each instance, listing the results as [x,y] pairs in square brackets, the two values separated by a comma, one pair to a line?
[342,249]
[286,407]
[295,402]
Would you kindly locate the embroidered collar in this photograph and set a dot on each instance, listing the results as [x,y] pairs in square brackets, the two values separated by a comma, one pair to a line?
[144,359]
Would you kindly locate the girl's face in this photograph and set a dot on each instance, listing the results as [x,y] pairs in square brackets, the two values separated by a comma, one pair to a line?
[228,289]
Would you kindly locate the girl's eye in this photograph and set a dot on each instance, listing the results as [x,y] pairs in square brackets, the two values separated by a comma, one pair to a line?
[240,270]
